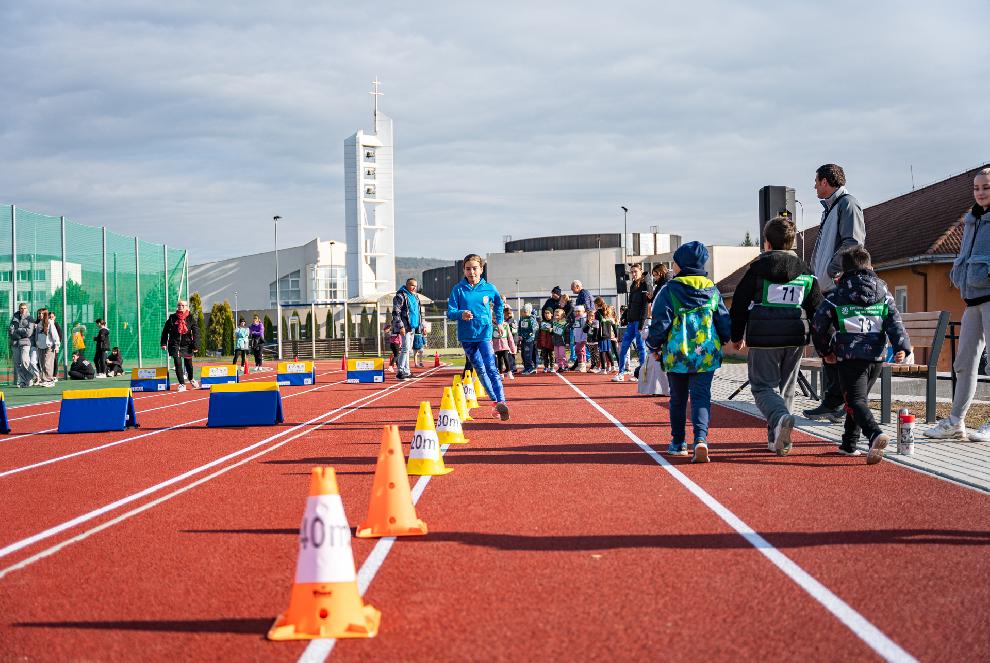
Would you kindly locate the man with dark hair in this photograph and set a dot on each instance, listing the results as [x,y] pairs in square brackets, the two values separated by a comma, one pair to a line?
[850,330]
[553,301]
[842,228]
[771,309]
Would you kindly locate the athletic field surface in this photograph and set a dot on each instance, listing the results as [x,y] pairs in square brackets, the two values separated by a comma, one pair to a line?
[563,534]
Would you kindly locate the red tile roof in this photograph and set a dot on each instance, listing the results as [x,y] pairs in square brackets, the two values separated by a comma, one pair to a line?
[925,222]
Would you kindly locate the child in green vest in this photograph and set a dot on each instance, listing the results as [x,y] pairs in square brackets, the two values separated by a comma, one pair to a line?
[772,308]
[690,325]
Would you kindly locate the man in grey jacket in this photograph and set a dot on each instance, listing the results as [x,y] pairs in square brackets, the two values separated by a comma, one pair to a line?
[21,332]
[842,228]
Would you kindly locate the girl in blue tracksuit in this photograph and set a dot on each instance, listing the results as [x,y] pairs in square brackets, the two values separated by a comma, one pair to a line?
[472,303]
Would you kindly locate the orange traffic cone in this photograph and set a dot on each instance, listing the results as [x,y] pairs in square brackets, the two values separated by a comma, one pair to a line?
[462,409]
[449,421]
[425,458]
[436,359]
[325,602]
[391,512]
[343,363]
[247,369]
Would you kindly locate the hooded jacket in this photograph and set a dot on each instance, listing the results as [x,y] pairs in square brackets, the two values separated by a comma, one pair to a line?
[402,314]
[971,268]
[842,227]
[783,321]
[477,299]
[638,305]
[21,329]
[692,292]
[857,318]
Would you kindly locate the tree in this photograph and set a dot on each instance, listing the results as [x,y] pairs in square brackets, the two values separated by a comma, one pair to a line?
[196,310]
[748,241]
[330,330]
[214,333]
[269,329]
[364,326]
[307,333]
[228,329]
[286,334]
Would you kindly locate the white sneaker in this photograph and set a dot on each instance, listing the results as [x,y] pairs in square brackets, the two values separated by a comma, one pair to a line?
[194,383]
[619,377]
[946,430]
[181,387]
[100,376]
[876,449]
[981,434]
[782,435]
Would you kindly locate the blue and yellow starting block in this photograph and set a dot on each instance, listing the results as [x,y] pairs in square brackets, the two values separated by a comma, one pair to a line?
[97,410]
[366,370]
[150,379]
[4,421]
[247,404]
[211,375]
[295,373]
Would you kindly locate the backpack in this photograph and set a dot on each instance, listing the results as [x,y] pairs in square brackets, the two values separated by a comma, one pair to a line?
[692,344]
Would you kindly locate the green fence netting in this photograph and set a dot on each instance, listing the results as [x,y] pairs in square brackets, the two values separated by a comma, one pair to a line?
[130,283]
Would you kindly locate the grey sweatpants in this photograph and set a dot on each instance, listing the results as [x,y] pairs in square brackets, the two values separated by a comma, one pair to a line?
[773,375]
[973,335]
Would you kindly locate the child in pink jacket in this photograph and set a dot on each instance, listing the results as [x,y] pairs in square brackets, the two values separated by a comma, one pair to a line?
[504,345]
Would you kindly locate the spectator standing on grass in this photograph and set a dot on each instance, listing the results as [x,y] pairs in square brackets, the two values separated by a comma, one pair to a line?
[101,347]
[407,320]
[20,333]
[771,311]
[256,333]
[850,330]
[971,274]
[47,343]
[242,342]
[471,304]
[689,326]
[637,311]
[81,368]
[61,337]
[180,338]
[842,228]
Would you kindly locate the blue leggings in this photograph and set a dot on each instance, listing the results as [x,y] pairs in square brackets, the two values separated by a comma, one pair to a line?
[632,334]
[482,358]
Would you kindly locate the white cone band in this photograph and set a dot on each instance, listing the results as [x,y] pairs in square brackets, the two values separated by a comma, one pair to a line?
[425,445]
[448,422]
[325,542]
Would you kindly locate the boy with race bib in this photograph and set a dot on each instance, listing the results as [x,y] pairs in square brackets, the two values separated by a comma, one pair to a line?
[772,308]
[851,329]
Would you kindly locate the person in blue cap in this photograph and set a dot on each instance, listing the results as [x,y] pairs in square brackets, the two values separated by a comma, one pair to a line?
[474,303]
[690,325]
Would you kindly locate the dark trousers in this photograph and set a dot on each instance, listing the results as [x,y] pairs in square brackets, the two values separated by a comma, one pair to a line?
[502,361]
[529,355]
[242,354]
[182,358]
[546,356]
[856,377]
[831,387]
[100,359]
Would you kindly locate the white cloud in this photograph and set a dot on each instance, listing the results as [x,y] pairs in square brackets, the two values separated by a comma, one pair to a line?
[193,124]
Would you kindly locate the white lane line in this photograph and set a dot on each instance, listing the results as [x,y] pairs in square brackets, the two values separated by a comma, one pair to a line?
[874,638]
[319,650]
[157,431]
[343,412]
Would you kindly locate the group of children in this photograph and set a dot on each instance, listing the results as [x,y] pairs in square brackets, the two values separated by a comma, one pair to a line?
[548,341]
[776,309]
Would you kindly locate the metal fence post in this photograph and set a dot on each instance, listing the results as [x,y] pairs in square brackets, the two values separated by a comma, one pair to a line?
[347,331]
[312,327]
[65,306]
[446,341]
[137,288]
[165,262]
[106,299]
[185,259]
[13,260]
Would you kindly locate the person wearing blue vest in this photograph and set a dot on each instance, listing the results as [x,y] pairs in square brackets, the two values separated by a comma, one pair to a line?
[473,304]
[406,322]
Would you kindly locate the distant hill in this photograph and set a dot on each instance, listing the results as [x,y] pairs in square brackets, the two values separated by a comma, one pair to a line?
[413,267]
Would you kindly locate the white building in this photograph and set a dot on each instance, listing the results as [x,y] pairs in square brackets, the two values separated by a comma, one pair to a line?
[37,280]
[722,260]
[369,207]
[313,273]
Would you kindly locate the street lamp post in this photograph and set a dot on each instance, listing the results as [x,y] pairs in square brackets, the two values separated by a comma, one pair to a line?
[332,290]
[798,229]
[518,299]
[599,240]
[625,231]
[278,296]
[235,308]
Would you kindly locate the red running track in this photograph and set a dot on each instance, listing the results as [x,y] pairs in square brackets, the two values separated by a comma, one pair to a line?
[555,538]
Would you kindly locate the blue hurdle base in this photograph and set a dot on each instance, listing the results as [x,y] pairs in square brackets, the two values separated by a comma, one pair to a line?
[245,408]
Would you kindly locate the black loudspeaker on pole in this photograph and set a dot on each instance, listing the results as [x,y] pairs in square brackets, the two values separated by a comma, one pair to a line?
[775,200]
[620,279]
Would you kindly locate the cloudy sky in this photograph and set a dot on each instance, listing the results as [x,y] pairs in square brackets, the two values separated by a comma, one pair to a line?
[192,123]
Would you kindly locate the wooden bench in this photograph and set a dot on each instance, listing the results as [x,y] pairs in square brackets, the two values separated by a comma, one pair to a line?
[926,330]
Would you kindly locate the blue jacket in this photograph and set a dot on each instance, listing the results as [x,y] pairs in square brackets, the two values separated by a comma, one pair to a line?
[971,269]
[403,314]
[478,299]
[692,292]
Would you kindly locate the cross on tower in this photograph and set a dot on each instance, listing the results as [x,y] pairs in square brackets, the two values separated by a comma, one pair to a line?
[376,92]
